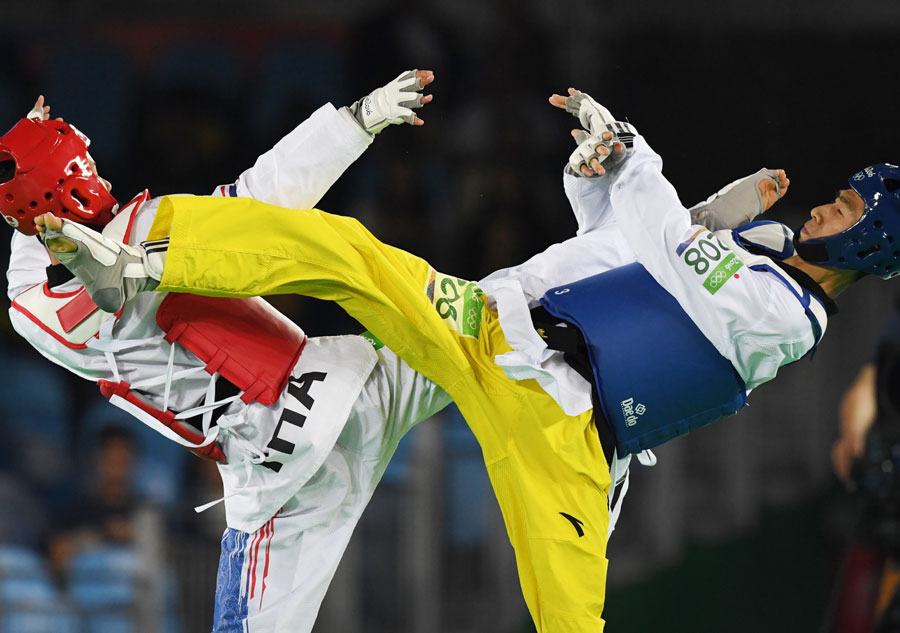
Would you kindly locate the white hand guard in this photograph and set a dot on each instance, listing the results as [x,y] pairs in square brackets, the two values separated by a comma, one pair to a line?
[598,120]
[111,272]
[735,204]
[586,151]
[593,116]
[389,105]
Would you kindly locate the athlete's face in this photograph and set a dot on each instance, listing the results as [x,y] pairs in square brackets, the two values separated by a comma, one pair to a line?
[834,217]
[103,181]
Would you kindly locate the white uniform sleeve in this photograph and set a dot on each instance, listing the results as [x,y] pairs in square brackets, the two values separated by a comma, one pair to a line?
[589,198]
[303,165]
[28,261]
[86,363]
[750,316]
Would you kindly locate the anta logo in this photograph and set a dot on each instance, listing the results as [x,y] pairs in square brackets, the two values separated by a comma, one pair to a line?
[631,412]
[576,523]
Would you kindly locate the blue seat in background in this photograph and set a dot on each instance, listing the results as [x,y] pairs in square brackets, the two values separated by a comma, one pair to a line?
[30,622]
[35,400]
[103,596]
[106,564]
[467,488]
[104,584]
[27,595]
[24,527]
[22,563]
[34,605]
[37,410]
[110,623]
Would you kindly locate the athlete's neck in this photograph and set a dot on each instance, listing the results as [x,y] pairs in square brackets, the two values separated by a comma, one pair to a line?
[832,280]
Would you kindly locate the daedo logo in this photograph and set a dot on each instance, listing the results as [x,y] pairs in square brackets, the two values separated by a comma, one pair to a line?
[631,412]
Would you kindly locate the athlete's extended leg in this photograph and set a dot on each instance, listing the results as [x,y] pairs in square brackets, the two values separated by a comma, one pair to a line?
[215,250]
[545,467]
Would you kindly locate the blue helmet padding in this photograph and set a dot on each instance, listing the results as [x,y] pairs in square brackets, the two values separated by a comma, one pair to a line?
[872,245]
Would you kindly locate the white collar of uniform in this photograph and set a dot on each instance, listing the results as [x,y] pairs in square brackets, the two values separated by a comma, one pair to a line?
[774,238]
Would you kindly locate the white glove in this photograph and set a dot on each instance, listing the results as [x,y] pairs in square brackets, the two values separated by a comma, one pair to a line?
[593,116]
[586,151]
[598,120]
[735,204]
[389,105]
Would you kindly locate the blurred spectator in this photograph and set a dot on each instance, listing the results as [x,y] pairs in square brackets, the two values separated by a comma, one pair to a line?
[866,458]
[857,414]
[104,513]
[860,404]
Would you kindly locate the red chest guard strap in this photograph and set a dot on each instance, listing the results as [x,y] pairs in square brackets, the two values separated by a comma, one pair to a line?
[246,341]
[122,390]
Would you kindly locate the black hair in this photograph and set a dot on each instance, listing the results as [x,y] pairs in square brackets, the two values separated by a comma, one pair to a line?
[115,433]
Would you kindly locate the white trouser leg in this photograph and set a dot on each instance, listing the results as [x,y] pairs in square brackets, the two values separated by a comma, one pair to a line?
[275,579]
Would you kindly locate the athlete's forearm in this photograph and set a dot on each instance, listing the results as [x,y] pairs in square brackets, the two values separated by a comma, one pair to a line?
[303,165]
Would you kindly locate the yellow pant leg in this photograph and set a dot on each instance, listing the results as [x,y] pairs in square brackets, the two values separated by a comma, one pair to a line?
[550,477]
[547,469]
[240,247]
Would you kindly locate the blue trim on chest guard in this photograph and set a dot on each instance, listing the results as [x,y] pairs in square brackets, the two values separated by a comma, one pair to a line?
[657,376]
[773,239]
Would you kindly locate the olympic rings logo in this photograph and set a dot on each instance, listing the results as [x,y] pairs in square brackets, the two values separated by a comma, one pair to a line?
[472,318]
[717,278]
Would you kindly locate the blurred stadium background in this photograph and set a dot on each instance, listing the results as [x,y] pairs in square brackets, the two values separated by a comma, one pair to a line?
[739,526]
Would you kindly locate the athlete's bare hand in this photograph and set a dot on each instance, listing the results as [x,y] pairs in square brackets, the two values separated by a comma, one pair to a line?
[39,111]
[425,77]
[596,166]
[47,220]
[559,101]
[56,244]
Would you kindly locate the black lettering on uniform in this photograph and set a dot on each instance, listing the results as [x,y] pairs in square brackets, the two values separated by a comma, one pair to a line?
[276,466]
[299,388]
[291,417]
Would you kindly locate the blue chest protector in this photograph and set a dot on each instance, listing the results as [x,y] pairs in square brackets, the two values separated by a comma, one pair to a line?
[656,375]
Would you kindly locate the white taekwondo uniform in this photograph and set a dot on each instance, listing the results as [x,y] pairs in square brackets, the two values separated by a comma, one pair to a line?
[287,529]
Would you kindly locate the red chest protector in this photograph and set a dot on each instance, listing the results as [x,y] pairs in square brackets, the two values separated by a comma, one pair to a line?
[246,341]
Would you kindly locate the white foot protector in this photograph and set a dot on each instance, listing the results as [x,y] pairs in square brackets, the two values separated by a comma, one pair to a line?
[111,272]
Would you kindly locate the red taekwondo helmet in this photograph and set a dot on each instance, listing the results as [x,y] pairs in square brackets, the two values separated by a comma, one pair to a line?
[44,166]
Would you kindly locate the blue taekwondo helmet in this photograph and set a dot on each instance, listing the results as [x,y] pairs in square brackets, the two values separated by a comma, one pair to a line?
[872,245]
